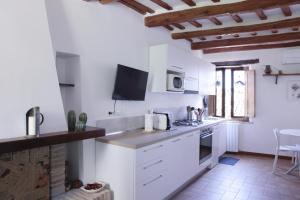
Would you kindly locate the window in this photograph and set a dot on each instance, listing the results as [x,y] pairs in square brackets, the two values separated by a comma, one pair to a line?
[235,92]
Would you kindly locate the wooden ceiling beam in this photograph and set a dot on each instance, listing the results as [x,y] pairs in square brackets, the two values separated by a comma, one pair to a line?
[215,21]
[251,47]
[189,2]
[141,8]
[236,18]
[287,23]
[106,1]
[133,7]
[196,24]
[236,62]
[214,10]
[247,40]
[162,4]
[179,26]
[170,28]
[286,11]
[261,14]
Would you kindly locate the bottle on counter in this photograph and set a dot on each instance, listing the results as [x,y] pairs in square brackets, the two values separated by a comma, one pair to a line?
[149,121]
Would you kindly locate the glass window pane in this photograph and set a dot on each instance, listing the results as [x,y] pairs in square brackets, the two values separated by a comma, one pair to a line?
[219,93]
[239,96]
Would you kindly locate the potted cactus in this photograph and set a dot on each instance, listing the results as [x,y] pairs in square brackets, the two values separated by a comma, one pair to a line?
[71,120]
[81,124]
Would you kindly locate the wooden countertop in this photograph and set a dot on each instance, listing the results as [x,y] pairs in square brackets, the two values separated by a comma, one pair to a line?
[47,139]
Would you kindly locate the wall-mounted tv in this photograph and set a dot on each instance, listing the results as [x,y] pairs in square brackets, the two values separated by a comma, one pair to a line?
[130,84]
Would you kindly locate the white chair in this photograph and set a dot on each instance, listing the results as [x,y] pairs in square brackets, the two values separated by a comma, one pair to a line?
[283,148]
[296,165]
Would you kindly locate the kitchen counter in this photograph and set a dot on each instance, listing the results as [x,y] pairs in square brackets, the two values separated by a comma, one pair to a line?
[138,138]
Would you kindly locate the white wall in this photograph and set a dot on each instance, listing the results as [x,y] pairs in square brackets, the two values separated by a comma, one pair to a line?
[104,36]
[27,69]
[273,109]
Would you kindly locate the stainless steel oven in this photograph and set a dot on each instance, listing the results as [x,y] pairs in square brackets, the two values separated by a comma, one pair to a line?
[205,149]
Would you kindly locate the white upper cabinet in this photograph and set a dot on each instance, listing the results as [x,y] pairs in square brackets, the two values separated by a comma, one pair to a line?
[207,78]
[199,74]
[158,62]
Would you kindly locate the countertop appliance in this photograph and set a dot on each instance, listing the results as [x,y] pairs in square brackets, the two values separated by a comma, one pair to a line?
[162,121]
[34,120]
[130,84]
[205,147]
[175,81]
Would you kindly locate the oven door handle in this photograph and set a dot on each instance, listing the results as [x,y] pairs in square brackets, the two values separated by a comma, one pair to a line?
[203,137]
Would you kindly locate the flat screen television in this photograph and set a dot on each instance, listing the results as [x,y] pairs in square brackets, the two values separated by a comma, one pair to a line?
[130,84]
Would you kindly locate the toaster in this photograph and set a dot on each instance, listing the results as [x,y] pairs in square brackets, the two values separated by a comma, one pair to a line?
[161,121]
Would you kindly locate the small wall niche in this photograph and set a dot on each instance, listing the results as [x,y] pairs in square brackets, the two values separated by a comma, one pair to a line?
[68,72]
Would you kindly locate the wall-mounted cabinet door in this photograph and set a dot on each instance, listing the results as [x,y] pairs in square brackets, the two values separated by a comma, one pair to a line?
[192,74]
[158,62]
[207,78]
[168,57]
[177,59]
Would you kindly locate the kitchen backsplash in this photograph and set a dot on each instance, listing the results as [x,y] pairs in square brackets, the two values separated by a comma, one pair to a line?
[116,124]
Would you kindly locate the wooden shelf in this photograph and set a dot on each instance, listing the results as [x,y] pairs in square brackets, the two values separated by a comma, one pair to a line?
[47,139]
[282,74]
[66,85]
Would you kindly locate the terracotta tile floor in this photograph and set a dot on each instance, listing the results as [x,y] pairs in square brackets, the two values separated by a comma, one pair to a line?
[250,179]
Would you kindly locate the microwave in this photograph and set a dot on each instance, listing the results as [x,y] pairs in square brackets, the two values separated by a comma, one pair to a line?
[175,81]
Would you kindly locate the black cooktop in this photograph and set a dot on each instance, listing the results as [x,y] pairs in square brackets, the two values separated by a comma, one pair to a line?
[187,123]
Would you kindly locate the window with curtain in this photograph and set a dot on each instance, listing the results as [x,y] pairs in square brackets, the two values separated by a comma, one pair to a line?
[235,93]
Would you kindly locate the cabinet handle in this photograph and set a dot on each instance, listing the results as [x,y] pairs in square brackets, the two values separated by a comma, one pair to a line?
[206,136]
[159,177]
[151,165]
[157,147]
[177,140]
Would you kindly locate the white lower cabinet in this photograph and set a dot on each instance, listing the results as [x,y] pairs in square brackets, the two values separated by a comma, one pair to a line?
[149,173]
[219,142]
[223,139]
[190,154]
[152,188]
[215,145]
[178,165]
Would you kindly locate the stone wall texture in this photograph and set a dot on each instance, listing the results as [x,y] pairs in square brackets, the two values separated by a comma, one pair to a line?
[24,175]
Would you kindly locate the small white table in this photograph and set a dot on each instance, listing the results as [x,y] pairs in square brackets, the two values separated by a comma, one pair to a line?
[291,132]
[296,133]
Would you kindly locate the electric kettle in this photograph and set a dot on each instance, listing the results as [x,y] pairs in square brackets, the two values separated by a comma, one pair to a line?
[34,119]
